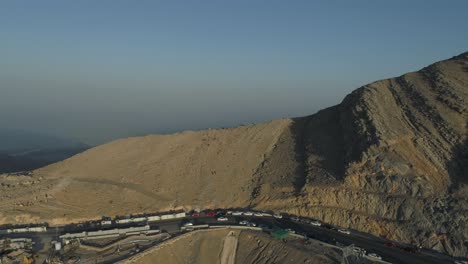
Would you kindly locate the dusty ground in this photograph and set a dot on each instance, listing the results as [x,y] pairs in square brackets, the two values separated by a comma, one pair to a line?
[391,159]
[260,248]
[195,247]
[252,247]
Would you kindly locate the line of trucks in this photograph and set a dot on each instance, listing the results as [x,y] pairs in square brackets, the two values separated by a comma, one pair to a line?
[36,229]
[106,221]
[110,233]
[128,220]
[140,219]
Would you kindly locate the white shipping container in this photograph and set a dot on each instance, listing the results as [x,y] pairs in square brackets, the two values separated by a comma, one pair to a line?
[154,218]
[38,229]
[180,215]
[168,216]
[27,229]
[123,221]
[74,235]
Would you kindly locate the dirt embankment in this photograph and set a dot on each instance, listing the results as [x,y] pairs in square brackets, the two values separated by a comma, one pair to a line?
[235,247]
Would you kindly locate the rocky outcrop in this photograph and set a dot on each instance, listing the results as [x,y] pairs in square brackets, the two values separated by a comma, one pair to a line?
[392,159]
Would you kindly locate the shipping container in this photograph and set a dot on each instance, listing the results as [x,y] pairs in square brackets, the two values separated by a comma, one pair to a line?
[154,218]
[168,216]
[180,215]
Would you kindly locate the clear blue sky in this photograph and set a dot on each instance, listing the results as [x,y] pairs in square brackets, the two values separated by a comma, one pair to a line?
[99,70]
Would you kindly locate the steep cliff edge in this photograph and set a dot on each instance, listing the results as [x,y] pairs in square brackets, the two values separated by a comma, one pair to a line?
[391,159]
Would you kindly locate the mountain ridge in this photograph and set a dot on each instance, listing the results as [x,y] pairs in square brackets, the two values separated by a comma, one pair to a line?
[390,159]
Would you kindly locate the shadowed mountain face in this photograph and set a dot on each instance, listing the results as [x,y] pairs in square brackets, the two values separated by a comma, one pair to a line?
[391,159]
[413,127]
[458,165]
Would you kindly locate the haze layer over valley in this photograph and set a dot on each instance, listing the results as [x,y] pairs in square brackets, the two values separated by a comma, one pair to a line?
[21,151]
[391,160]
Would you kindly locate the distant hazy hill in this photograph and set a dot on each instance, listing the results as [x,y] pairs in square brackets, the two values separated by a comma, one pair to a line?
[16,141]
[21,150]
[390,159]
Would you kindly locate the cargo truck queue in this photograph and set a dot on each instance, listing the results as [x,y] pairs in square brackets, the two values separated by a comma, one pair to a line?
[183,221]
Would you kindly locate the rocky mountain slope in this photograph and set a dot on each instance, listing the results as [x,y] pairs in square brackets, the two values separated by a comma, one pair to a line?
[391,159]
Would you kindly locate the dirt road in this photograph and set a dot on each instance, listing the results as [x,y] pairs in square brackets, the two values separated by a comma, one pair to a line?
[228,255]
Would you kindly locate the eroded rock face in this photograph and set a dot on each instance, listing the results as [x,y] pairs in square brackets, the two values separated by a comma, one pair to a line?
[391,159]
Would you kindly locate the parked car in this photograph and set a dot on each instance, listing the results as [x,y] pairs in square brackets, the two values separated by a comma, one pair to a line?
[295,218]
[316,223]
[344,231]
[290,230]
[236,213]
[196,214]
[248,213]
[243,222]
[252,224]
[258,214]
[229,212]
[279,216]
[222,219]
[373,255]
[210,213]
[188,224]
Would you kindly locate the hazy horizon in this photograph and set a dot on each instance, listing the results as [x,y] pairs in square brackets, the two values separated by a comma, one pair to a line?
[100,70]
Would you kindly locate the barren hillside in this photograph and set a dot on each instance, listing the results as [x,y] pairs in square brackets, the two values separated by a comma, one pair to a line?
[391,159]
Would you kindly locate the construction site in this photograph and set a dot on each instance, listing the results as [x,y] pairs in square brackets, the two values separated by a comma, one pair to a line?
[16,250]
